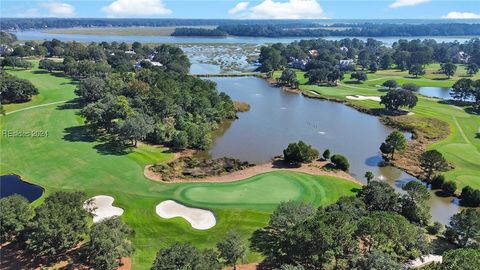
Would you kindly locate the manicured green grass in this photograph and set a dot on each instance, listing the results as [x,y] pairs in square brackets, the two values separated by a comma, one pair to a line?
[281,186]
[54,87]
[68,159]
[461,147]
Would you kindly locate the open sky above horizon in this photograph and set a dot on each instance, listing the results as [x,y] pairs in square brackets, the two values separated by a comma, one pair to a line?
[244,9]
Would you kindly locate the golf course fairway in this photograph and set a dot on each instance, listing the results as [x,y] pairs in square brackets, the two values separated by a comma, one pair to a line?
[69,159]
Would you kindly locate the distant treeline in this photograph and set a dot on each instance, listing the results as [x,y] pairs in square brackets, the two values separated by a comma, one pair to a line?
[358,30]
[40,23]
[198,32]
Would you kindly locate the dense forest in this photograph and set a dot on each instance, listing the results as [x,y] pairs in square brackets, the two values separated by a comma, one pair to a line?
[134,93]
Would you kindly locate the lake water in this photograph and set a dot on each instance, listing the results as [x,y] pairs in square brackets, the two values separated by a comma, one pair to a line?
[438,92]
[12,184]
[277,118]
[40,35]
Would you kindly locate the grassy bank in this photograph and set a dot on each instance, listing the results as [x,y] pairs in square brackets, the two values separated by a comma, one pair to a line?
[69,159]
[461,147]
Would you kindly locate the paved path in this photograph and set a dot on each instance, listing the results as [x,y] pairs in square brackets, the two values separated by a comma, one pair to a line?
[36,106]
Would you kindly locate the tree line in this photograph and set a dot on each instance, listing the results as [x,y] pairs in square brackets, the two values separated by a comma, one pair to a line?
[15,90]
[356,30]
[372,54]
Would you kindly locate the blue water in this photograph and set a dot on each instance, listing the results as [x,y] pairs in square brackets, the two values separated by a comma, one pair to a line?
[12,184]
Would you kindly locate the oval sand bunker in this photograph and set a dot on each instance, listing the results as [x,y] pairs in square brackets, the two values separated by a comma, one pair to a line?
[101,208]
[200,219]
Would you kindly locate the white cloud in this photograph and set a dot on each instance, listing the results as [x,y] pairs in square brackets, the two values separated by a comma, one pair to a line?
[58,9]
[407,3]
[238,8]
[291,9]
[461,15]
[135,8]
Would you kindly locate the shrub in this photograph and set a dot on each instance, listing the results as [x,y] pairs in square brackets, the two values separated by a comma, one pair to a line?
[340,162]
[390,84]
[326,154]
[300,153]
[449,188]
[435,228]
[410,87]
[470,197]
[437,181]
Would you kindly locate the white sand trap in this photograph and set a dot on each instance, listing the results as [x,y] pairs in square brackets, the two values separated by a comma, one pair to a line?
[101,208]
[424,260]
[357,97]
[200,219]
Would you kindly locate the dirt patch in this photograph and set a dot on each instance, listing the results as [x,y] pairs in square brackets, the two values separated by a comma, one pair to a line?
[192,167]
[249,266]
[241,106]
[315,168]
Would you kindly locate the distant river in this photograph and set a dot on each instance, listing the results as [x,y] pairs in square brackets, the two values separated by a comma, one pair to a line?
[40,35]
[277,118]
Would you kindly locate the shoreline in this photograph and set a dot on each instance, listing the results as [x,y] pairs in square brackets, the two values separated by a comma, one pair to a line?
[408,165]
[313,168]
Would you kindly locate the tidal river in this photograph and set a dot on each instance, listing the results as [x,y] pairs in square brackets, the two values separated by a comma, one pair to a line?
[277,118]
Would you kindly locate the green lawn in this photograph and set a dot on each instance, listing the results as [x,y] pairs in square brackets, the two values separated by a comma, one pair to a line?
[68,159]
[461,147]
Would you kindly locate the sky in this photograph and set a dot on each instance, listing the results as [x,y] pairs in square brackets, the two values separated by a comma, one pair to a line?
[244,9]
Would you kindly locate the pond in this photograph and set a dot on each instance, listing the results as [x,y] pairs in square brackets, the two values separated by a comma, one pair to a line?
[12,184]
[438,92]
[277,118]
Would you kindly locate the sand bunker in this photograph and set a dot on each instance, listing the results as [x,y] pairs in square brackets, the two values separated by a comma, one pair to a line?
[200,219]
[357,97]
[101,208]
[424,260]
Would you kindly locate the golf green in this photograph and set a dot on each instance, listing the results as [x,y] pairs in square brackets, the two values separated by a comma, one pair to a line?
[265,191]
